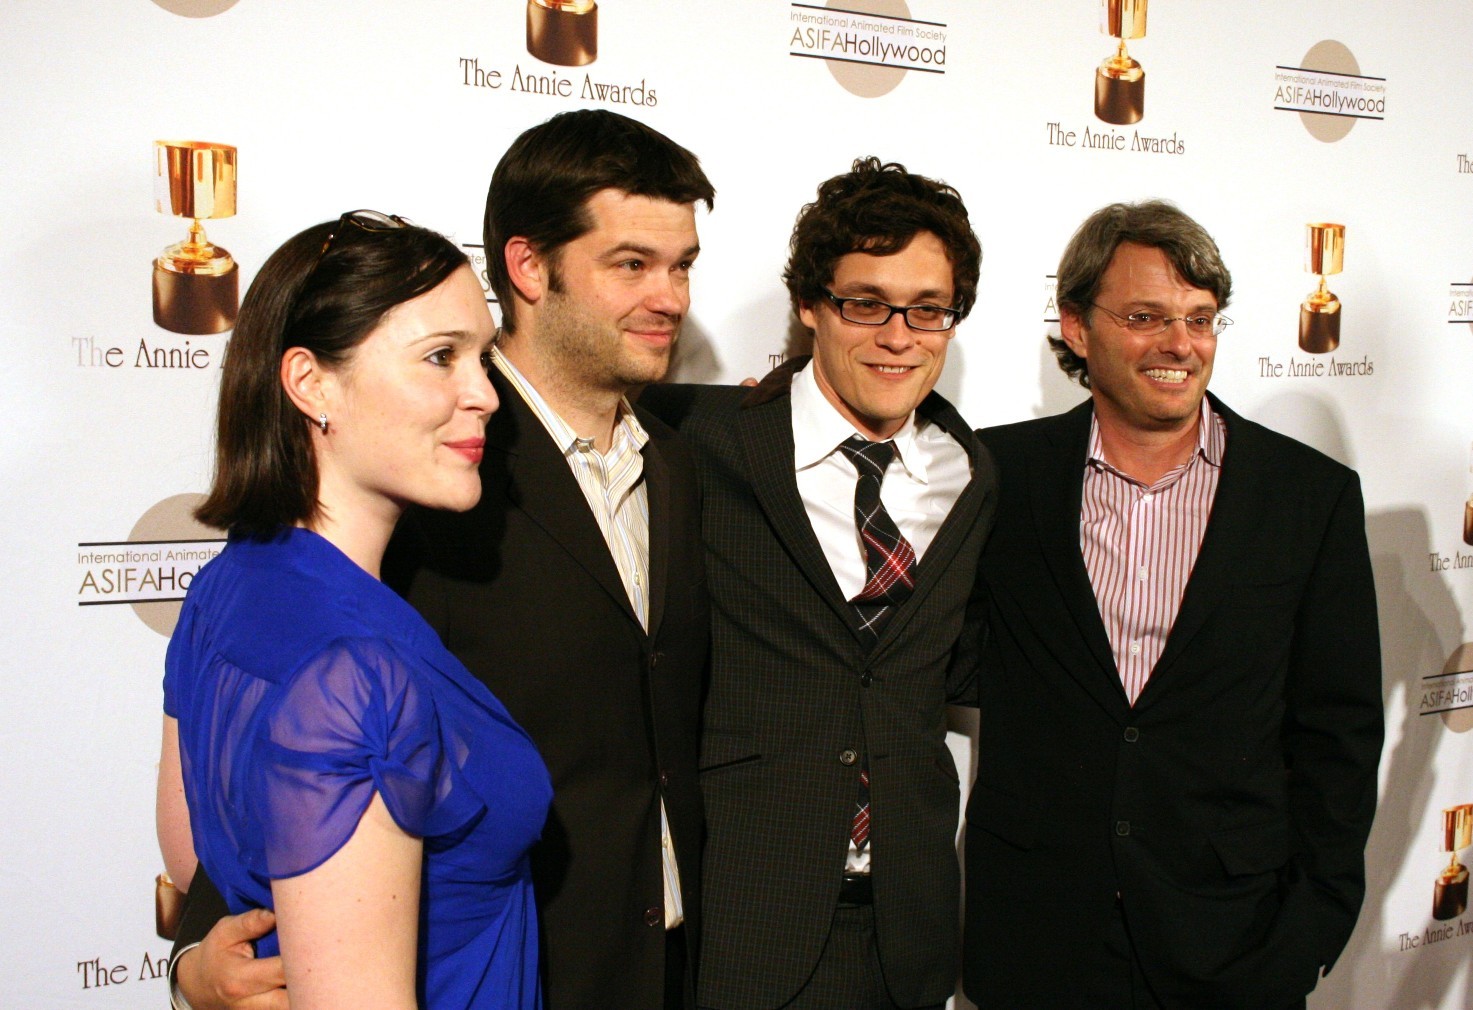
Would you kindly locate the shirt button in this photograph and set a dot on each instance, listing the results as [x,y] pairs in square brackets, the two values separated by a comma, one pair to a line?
[1146,499]
[1132,734]
[1135,648]
[654,916]
[1122,828]
[1143,573]
[848,756]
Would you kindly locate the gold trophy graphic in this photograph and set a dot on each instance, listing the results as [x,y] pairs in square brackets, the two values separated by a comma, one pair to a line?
[196,284]
[168,907]
[564,32]
[1120,83]
[1450,894]
[1468,512]
[1319,315]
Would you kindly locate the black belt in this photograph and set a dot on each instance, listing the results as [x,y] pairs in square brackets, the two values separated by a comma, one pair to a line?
[856,889]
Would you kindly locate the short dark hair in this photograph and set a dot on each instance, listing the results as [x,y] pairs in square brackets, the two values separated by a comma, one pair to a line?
[878,208]
[1155,223]
[327,301]
[541,185]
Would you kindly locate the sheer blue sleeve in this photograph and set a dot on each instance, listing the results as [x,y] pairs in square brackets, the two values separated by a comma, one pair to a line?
[355,720]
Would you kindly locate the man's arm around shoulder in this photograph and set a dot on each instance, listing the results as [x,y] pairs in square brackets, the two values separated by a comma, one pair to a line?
[213,965]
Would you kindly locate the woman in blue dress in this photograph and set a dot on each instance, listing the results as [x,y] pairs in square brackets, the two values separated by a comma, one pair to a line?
[339,765]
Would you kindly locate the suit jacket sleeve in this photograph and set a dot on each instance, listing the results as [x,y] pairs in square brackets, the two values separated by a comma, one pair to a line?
[204,906]
[961,675]
[1333,726]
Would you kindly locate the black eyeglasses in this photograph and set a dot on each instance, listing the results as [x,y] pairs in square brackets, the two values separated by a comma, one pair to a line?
[873,312]
[1148,324]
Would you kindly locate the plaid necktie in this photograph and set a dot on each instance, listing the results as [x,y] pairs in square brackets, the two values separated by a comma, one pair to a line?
[889,562]
[889,559]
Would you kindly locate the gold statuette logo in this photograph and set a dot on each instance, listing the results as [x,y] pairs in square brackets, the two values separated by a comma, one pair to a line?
[564,32]
[1468,510]
[1120,83]
[1319,315]
[1450,893]
[196,284]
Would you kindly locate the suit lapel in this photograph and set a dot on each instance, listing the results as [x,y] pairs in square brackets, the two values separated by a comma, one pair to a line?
[1236,507]
[527,467]
[958,522]
[657,489]
[1055,491]
[766,431]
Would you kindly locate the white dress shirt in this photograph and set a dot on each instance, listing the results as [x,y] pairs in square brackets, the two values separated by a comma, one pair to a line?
[613,484]
[926,477]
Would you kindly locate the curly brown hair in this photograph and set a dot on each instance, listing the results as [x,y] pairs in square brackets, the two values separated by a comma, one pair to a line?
[878,208]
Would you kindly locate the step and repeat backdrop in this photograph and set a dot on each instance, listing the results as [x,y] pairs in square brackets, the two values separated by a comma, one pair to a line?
[1326,144]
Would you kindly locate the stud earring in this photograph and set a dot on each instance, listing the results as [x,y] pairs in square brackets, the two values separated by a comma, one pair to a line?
[322,422]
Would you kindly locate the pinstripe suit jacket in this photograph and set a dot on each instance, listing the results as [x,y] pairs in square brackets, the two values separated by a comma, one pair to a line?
[793,687]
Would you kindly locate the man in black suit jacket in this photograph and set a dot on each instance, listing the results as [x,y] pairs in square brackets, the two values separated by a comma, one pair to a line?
[575,588]
[811,694]
[1180,690]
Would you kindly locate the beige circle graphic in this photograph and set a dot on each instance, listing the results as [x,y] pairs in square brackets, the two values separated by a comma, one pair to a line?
[1459,720]
[1332,57]
[196,8]
[171,519]
[866,79]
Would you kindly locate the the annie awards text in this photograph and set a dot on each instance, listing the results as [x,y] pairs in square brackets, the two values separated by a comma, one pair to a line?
[1315,368]
[1446,563]
[166,356]
[1097,139]
[1435,934]
[94,974]
[555,84]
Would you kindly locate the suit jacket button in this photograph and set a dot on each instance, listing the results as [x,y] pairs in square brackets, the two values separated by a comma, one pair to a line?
[654,916]
[664,778]
[865,678]
[847,756]
[654,660]
[1132,734]
[1122,828]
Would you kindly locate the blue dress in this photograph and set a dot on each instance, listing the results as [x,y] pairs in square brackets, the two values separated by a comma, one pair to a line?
[302,686]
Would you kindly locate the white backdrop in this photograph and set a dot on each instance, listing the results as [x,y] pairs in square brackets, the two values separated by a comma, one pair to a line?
[406,107]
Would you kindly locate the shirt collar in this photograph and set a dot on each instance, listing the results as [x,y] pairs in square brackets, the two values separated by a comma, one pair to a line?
[628,432]
[818,428]
[1211,438]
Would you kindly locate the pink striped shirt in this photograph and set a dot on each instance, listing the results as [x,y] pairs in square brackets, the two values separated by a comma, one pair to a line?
[1140,544]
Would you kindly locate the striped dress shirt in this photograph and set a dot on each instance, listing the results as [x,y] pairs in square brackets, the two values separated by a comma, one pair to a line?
[1140,543]
[613,484]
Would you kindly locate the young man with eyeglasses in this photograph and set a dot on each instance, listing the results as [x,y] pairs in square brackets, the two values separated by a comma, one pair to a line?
[844,506]
[1180,690]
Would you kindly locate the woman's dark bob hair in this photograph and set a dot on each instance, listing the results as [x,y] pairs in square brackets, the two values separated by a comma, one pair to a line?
[325,289]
